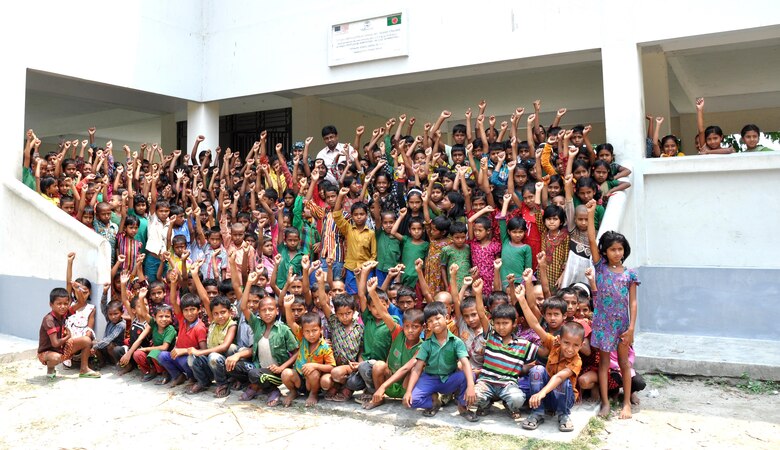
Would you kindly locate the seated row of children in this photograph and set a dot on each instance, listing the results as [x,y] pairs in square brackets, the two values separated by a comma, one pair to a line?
[410,207]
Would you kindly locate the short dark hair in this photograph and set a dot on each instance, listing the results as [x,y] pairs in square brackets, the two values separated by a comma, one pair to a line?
[458,227]
[554,302]
[406,291]
[574,329]
[343,301]
[434,309]
[310,317]
[220,300]
[504,312]
[329,129]
[189,301]
[58,293]
[554,211]
[414,315]
[459,128]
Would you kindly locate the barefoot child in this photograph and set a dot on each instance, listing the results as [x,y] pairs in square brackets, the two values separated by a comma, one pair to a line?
[55,343]
[315,358]
[436,370]
[614,308]
[559,376]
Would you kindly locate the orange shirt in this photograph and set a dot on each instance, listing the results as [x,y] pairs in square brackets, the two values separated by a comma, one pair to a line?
[556,362]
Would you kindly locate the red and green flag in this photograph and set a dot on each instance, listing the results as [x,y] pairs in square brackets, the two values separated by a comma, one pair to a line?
[394,20]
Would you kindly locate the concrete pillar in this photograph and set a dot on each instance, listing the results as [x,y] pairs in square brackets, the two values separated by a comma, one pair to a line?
[655,74]
[168,133]
[203,118]
[13,91]
[306,120]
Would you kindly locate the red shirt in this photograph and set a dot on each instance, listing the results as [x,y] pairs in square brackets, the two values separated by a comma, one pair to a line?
[190,334]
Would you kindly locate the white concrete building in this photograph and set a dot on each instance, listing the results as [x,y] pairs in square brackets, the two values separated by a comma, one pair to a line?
[701,227]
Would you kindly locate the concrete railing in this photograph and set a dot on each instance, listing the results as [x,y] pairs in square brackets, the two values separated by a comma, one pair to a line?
[36,237]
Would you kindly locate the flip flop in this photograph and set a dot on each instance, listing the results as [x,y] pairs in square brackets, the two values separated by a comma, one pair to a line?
[340,397]
[222,391]
[52,376]
[273,398]
[248,395]
[533,421]
[469,415]
[564,423]
[432,411]
[90,374]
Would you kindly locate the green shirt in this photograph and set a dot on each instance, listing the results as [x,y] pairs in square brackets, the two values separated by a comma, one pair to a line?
[760,148]
[599,212]
[516,258]
[28,178]
[451,255]
[168,335]
[442,360]
[281,340]
[376,337]
[388,250]
[409,255]
[288,260]
[400,354]
[144,223]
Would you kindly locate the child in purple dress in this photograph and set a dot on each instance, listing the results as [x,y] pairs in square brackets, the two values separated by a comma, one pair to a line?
[614,302]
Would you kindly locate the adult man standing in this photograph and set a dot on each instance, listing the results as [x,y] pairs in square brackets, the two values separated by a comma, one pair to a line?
[334,152]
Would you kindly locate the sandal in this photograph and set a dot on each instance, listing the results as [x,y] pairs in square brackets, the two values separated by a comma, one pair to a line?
[51,376]
[162,380]
[432,410]
[273,398]
[482,412]
[564,423]
[196,388]
[341,397]
[90,374]
[533,421]
[248,395]
[222,391]
[469,415]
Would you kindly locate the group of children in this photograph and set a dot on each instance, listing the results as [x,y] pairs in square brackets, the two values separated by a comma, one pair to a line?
[405,268]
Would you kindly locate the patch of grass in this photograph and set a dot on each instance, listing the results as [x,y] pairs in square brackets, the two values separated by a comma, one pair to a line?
[658,379]
[588,438]
[756,387]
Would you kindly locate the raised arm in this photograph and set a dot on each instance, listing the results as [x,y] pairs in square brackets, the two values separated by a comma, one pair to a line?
[700,141]
[394,232]
[477,286]
[594,245]
[520,293]
[656,140]
[379,306]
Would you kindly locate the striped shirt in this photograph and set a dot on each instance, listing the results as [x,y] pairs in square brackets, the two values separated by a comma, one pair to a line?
[504,362]
[332,239]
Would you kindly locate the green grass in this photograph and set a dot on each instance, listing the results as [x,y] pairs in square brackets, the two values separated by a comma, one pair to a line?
[588,438]
[756,387]
[658,379]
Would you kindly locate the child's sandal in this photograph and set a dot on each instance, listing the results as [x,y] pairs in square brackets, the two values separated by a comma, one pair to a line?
[222,391]
[565,423]
[533,421]
[469,415]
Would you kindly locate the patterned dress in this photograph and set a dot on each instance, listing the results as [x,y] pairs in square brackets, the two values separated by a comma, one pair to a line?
[433,266]
[556,250]
[610,306]
[483,258]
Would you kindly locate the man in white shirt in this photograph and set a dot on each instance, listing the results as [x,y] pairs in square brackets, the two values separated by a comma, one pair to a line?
[334,152]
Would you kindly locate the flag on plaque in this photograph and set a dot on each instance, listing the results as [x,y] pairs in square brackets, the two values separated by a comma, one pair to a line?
[393,20]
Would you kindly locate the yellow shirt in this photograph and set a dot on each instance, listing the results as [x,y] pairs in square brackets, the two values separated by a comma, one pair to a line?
[360,244]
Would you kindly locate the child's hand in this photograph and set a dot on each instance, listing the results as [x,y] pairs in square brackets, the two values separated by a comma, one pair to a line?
[407,400]
[305,264]
[468,281]
[477,285]
[106,287]
[71,257]
[289,299]
[308,368]
[471,396]
[519,291]
[275,369]
[589,274]
[315,266]
[368,266]
[488,209]
[573,152]
[320,276]
[393,272]
[497,264]
[277,259]
[196,266]
[535,400]
[343,191]
[402,212]
[510,279]
[531,119]
[290,275]
[125,359]
[528,275]
[454,269]
[474,272]
[418,265]
[627,338]
[371,284]
[541,259]
[142,292]
[252,278]
[539,185]
[700,103]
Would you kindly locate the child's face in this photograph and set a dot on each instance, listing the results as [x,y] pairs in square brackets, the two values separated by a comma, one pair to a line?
[381,184]
[570,345]
[268,310]
[459,138]
[115,315]
[447,183]
[212,291]
[140,208]
[554,318]
[68,207]
[554,189]
[538,295]
[605,155]
[419,158]
[253,302]
[330,198]
[521,177]
[289,200]
[580,172]
[179,248]
[179,220]
[751,139]
[528,199]
[157,295]
[552,223]
[215,240]
[268,248]
[571,305]
[220,314]
[458,158]
[504,327]
[414,203]
[524,152]
[437,324]
[355,187]
[237,236]
[70,170]
[670,147]
[131,230]
[190,313]
[581,220]
[577,138]
[585,194]
[387,223]
[298,310]
[60,306]
[345,315]
[62,188]
[292,240]
[583,310]
[480,233]
[104,215]
[163,213]
[337,288]
[517,235]
[416,231]
[252,241]
[471,317]
[405,303]
[359,216]
[459,240]
[162,318]
[615,253]
[87,219]
[412,331]
[558,201]
[296,287]
[600,174]
[312,332]
[438,196]
[713,140]
[478,204]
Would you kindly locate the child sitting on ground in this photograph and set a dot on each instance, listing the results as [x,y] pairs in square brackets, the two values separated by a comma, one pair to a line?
[110,347]
[315,358]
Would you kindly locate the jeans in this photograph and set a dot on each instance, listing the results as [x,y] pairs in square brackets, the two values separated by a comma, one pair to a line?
[511,394]
[363,379]
[241,371]
[428,385]
[561,399]
[338,267]
[175,366]
[210,367]
[380,277]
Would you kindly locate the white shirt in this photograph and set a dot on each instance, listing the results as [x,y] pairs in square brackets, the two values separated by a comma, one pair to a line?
[329,157]
[156,235]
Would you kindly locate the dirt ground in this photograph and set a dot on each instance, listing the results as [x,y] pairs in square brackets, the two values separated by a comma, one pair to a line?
[123,413]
